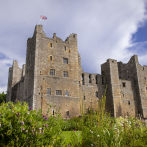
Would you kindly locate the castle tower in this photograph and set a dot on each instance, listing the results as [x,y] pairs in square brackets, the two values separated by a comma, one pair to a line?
[110,78]
[14,77]
[52,73]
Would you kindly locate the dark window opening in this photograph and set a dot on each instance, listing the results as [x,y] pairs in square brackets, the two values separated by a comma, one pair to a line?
[96,78]
[58,92]
[128,102]
[65,48]
[67,113]
[90,80]
[65,74]
[65,60]
[48,91]
[53,112]
[40,72]
[84,98]
[51,58]
[124,84]
[145,78]
[51,45]
[102,80]
[146,88]
[96,93]
[52,72]
[83,81]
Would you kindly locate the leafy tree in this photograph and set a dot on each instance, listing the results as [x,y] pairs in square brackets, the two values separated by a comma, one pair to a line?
[3,97]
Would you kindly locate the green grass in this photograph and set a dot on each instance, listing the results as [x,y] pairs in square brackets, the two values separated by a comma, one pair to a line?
[71,138]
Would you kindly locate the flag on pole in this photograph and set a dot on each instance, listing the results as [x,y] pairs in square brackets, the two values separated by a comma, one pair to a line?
[43,17]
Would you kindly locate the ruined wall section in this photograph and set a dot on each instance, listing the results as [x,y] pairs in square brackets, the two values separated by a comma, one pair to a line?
[92,91]
[129,72]
[57,76]
[14,77]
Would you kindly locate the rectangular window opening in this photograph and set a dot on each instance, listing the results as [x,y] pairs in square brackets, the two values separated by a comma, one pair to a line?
[48,91]
[52,72]
[65,60]
[90,79]
[124,84]
[58,92]
[51,58]
[83,81]
[96,93]
[65,73]
[67,113]
[66,93]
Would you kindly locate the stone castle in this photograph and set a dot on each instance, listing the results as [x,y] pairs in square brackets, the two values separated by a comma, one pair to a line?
[53,80]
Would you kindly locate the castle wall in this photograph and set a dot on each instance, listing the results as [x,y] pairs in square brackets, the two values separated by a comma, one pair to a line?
[92,91]
[29,71]
[53,80]
[142,83]
[14,77]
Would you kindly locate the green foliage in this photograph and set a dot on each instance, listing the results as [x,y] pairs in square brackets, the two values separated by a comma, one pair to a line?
[22,127]
[2,97]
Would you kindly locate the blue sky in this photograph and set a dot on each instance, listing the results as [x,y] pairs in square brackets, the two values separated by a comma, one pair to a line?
[106,29]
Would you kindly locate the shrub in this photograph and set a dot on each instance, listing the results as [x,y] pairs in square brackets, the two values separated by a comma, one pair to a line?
[21,127]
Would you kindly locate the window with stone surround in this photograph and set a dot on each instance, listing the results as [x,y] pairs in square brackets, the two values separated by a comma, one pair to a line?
[65,48]
[52,72]
[67,113]
[48,92]
[123,84]
[65,73]
[58,92]
[65,60]
[66,93]
[96,93]
[51,45]
[51,58]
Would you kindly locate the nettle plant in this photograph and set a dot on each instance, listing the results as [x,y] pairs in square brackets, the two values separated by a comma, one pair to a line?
[20,126]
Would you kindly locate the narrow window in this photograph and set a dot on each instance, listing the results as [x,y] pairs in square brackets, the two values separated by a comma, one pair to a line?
[83,81]
[124,84]
[128,102]
[51,58]
[40,72]
[96,79]
[51,45]
[90,80]
[52,72]
[65,73]
[53,112]
[65,48]
[65,60]
[66,93]
[58,92]
[67,113]
[102,80]
[84,97]
[48,92]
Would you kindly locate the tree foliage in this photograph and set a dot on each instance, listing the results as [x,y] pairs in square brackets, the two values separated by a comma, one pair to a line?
[3,97]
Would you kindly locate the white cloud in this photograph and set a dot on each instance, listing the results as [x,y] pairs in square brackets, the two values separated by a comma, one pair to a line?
[104,27]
